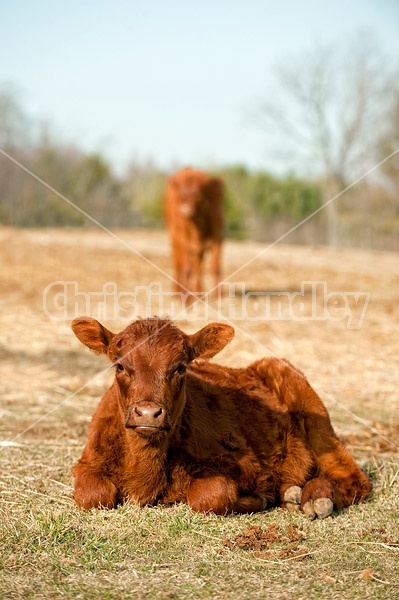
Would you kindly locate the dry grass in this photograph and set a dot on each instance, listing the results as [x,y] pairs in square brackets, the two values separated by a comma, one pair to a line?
[50,389]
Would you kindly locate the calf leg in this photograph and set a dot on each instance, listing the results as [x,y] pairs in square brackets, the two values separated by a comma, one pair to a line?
[219,495]
[181,282]
[249,504]
[215,266]
[339,482]
[295,471]
[339,478]
[92,490]
[316,459]
[196,276]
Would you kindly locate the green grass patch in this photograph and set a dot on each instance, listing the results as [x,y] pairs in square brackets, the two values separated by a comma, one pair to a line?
[52,550]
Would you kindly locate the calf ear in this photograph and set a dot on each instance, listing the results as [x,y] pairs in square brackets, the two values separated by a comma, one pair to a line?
[210,340]
[92,334]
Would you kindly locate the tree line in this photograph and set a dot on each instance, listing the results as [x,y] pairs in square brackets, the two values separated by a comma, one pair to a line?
[134,199]
[336,117]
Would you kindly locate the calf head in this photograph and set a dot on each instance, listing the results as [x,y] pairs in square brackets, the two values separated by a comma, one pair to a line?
[189,194]
[193,189]
[151,357]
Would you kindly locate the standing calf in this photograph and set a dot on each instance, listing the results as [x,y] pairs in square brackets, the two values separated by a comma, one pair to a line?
[174,429]
[194,217]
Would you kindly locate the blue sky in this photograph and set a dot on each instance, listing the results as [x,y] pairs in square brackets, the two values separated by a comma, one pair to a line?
[173,81]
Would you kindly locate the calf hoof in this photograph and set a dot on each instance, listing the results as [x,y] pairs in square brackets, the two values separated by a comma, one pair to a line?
[293,494]
[317,498]
[322,508]
[308,510]
[292,498]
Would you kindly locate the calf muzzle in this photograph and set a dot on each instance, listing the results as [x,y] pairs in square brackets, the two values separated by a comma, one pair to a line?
[145,416]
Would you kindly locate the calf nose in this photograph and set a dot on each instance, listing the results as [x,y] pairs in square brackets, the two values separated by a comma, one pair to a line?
[146,415]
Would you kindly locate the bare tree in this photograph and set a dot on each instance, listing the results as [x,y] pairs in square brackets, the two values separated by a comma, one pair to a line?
[13,140]
[14,126]
[389,144]
[327,111]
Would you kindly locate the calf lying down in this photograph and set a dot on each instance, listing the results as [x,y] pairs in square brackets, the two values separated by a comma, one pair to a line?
[174,427]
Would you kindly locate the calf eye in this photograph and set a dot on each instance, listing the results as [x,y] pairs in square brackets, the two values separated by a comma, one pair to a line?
[181,369]
[119,367]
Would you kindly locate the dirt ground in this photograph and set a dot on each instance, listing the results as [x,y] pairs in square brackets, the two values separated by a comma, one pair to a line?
[341,330]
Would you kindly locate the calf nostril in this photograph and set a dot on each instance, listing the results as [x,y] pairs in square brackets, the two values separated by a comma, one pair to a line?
[158,413]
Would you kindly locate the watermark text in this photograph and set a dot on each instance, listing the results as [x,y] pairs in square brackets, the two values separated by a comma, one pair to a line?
[64,300]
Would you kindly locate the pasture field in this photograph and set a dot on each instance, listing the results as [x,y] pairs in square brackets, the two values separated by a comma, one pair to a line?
[51,384]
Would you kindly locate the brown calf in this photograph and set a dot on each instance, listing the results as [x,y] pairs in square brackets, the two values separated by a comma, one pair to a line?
[194,217]
[171,429]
